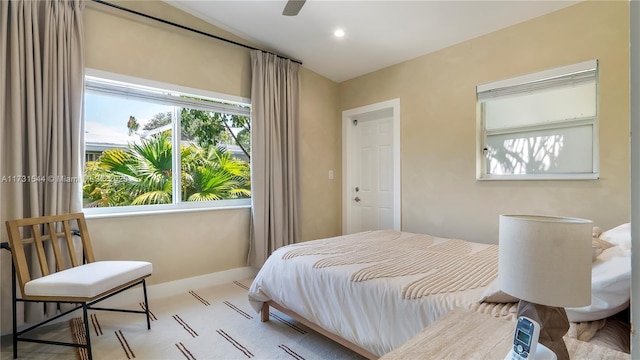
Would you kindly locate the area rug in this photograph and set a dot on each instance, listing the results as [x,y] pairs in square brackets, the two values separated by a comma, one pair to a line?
[210,323]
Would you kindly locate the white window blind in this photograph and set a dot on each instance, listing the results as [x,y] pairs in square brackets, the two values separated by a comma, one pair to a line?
[164,97]
[540,126]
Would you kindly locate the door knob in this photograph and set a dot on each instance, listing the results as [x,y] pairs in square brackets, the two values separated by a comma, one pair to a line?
[356,199]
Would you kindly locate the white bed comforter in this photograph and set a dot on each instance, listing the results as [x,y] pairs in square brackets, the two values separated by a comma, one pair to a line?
[372,313]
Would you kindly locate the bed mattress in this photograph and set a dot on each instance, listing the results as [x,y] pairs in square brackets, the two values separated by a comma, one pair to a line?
[378,289]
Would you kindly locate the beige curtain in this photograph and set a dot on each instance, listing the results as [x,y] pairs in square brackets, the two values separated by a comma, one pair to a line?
[41,137]
[274,179]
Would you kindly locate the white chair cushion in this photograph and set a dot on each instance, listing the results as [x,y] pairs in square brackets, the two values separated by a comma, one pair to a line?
[88,280]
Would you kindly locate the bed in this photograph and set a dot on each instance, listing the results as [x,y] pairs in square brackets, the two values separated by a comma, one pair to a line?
[374,290]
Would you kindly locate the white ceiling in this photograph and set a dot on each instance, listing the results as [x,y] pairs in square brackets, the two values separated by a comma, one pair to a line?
[378,33]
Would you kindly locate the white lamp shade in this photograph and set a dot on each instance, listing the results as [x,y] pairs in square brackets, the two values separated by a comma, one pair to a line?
[546,260]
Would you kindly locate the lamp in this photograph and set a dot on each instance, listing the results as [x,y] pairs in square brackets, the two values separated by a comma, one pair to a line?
[545,261]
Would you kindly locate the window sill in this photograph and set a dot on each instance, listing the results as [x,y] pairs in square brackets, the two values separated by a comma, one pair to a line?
[91,213]
[540,177]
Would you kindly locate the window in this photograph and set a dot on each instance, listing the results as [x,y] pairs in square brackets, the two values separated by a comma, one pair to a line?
[154,148]
[540,126]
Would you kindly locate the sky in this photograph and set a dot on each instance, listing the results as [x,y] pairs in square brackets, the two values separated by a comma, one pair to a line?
[106,116]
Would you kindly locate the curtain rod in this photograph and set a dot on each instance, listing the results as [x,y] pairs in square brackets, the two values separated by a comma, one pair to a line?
[190,29]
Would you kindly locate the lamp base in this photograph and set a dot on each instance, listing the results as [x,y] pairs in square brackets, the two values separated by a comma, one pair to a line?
[554,324]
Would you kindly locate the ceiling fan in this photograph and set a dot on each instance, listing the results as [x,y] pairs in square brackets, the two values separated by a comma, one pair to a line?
[293,7]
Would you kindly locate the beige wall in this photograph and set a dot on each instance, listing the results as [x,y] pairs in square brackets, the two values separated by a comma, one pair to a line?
[321,152]
[187,244]
[132,45]
[440,195]
[180,245]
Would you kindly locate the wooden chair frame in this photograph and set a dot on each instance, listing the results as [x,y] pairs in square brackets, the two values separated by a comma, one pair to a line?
[52,231]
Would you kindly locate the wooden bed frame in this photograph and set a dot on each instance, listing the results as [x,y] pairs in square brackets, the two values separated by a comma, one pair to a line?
[264,317]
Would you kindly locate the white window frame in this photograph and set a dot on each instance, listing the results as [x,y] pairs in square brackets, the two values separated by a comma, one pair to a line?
[519,86]
[123,84]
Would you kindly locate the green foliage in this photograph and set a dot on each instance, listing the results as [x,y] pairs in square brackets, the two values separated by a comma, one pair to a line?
[203,127]
[158,120]
[215,175]
[142,174]
[207,128]
[211,129]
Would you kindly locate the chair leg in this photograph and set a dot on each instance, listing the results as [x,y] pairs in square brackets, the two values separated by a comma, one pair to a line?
[146,303]
[87,330]
[15,310]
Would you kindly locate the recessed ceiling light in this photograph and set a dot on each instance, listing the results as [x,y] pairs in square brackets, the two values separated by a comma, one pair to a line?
[338,33]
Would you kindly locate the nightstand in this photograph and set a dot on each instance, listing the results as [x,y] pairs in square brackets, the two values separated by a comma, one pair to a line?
[464,334]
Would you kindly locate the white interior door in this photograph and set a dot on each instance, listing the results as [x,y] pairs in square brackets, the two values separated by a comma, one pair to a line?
[372,188]
[371,168]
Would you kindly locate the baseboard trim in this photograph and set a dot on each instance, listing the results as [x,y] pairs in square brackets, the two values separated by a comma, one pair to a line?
[198,282]
[176,287]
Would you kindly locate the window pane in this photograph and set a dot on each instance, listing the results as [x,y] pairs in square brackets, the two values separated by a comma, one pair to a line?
[555,151]
[215,154]
[125,164]
[139,137]
[542,125]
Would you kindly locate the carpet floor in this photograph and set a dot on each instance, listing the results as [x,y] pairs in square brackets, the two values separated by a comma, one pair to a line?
[210,323]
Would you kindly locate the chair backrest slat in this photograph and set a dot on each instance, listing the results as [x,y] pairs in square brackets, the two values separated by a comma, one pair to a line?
[19,257]
[42,256]
[86,241]
[46,235]
[69,242]
[53,234]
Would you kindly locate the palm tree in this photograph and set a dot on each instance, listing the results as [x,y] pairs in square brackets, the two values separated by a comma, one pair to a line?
[152,168]
[132,125]
[139,175]
[215,175]
[143,174]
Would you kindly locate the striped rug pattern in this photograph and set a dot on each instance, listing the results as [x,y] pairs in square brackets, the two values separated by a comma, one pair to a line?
[214,323]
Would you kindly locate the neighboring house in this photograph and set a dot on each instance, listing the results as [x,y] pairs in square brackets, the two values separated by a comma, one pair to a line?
[96,143]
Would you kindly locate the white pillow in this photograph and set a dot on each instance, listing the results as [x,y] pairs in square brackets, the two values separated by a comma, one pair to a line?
[619,235]
[610,286]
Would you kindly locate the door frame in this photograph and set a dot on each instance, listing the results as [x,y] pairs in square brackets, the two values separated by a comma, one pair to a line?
[393,108]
